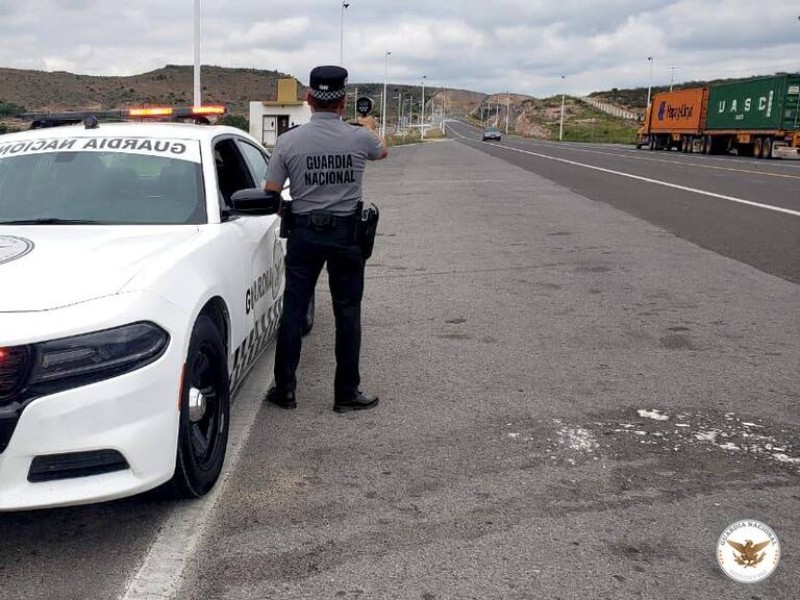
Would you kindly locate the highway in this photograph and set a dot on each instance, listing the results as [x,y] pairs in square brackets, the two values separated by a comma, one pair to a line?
[703,199]
[585,376]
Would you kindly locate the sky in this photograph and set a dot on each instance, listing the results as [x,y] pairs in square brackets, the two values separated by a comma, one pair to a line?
[534,47]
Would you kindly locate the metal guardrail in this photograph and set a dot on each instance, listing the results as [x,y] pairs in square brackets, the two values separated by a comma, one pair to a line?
[614,111]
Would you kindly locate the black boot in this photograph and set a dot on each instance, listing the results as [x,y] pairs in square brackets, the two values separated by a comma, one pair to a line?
[359,401]
[285,400]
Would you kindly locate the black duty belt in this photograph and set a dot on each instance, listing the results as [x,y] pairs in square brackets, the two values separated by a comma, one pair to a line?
[320,219]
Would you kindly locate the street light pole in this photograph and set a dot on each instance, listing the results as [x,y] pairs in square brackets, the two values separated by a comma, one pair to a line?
[561,124]
[399,107]
[650,80]
[383,108]
[197,94]
[422,111]
[508,102]
[341,35]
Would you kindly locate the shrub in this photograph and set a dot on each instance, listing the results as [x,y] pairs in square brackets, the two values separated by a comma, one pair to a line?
[7,109]
[235,121]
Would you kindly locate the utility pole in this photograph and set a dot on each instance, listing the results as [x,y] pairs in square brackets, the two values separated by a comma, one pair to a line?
[561,124]
[399,106]
[508,103]
[672,77]
[422,111]
[341,35]
[385,100]
[650,80]
[197,94]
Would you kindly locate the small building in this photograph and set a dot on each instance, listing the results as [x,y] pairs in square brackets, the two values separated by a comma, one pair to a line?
[270,118]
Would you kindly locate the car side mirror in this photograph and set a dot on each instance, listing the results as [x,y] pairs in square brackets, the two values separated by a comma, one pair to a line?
[256,202]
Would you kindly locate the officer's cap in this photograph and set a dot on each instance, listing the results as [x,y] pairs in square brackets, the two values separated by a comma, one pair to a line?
[328,82]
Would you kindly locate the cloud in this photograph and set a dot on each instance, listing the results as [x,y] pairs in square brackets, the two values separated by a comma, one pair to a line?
[522,45]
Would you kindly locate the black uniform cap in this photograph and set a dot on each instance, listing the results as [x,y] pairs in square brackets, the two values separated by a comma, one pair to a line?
[327,82]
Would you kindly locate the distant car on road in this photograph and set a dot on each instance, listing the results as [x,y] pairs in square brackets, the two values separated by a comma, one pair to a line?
[141,275]
[491,133]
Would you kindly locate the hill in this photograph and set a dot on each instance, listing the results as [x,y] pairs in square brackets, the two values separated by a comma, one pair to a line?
[173,84]
[236,87]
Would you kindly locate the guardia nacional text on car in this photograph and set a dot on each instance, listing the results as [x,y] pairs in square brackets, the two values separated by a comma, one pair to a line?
[141,274]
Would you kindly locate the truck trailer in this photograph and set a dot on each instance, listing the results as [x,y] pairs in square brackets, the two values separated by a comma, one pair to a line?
[755,117]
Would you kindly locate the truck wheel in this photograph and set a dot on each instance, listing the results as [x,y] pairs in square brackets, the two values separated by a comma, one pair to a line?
[758,148]
[708,145]
[767,149]
[205,410]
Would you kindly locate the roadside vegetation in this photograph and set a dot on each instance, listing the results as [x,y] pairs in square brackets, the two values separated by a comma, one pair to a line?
[541,118]
[413,137]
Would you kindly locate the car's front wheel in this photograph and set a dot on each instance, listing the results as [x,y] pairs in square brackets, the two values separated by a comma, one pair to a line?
[205,411]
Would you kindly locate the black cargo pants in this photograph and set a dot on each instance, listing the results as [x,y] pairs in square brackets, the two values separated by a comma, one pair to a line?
[307,251]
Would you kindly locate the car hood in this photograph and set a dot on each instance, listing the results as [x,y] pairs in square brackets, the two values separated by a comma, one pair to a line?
[44,267]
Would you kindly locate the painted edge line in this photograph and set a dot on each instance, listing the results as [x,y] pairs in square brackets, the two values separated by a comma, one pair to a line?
[161,575]
[676,186]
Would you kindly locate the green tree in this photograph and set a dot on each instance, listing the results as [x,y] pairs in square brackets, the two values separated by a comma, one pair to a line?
[235,121]
[8,109]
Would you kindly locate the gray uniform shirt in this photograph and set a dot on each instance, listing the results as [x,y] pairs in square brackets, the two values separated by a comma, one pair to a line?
[324,161]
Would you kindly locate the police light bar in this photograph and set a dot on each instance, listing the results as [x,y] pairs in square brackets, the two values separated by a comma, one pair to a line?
[150,112]
[157,112]
[209,110]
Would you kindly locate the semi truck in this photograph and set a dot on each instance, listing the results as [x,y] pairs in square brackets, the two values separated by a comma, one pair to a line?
[755,117]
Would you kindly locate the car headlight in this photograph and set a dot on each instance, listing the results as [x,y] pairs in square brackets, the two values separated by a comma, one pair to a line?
[82,359]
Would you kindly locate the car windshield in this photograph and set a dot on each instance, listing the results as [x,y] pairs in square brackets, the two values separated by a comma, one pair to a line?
[114,187]
[492,130]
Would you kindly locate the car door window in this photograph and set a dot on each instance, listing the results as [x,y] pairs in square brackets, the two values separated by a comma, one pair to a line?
[257,160]
[233,174]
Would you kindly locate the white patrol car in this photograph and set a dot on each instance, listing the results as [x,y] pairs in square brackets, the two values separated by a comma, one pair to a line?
[136,290]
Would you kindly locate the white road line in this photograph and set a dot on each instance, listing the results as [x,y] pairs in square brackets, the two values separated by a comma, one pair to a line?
[670,161]
[684,188]
[162,573]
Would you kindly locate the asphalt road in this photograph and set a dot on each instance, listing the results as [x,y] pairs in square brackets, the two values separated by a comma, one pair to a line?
[624,178]
[576,400]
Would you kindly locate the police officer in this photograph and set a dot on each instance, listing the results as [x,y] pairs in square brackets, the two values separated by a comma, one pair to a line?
[324,161]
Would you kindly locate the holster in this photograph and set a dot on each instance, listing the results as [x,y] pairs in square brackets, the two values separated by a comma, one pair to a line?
[366,228]
[287,218]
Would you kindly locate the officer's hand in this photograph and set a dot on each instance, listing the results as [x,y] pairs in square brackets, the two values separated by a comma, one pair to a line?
[368,122]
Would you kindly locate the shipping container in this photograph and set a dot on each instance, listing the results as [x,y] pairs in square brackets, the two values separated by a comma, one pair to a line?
[678,112]
[755,117]
[769,103]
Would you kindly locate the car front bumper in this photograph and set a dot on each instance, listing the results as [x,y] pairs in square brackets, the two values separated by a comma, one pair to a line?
[134,415]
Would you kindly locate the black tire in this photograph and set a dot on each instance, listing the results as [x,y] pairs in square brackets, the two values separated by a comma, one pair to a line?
[203,430]
[767,149]
[758,148]
[308,322]
[708,145]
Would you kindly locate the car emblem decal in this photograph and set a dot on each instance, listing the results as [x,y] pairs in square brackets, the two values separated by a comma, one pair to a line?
[12,248]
